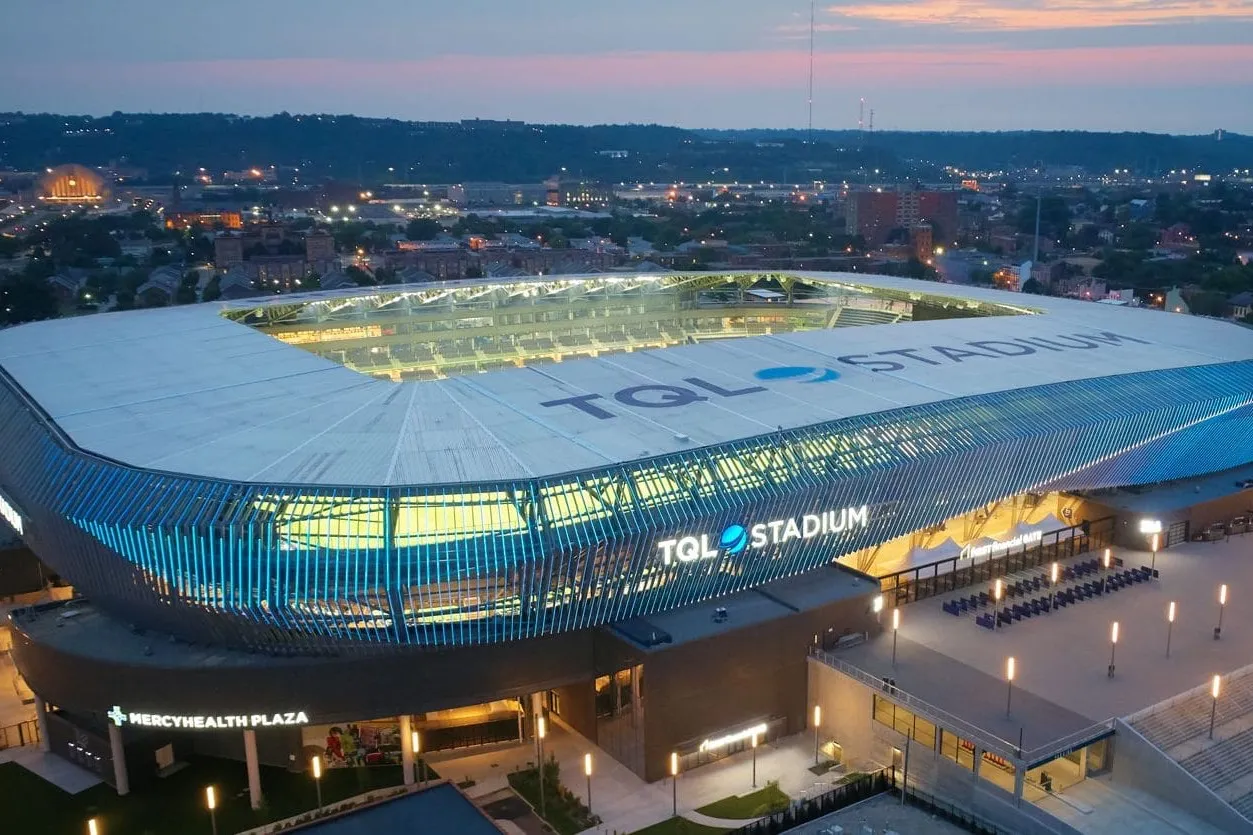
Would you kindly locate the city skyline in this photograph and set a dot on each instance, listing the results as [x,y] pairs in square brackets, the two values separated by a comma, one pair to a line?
[1182,66]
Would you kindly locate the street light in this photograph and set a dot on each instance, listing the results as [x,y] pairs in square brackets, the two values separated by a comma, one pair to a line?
[877,606]
[1154,544]
[817,724]
[674,781]
[997,591]
[1009,678]
[211,800]
[541,728]
[1222,604]
[896,625]
[416,742]
[1215,686]
[317,778]
[1105,561]
[1054,573]
[587,770]
[92,827]
[1170,625]
[754,760]
[1113,645]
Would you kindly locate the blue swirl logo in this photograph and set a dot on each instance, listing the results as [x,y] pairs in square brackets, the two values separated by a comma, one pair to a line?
[799,373]
[734,539]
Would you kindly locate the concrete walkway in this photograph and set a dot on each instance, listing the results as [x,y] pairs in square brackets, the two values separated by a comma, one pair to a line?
[59,772]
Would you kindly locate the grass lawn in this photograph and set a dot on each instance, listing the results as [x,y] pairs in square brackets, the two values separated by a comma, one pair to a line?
[680,826]
[741,807]
[175,805]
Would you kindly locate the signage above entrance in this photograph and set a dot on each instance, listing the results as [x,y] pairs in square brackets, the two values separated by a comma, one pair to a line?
[10,514]
[995,549]
[200,722]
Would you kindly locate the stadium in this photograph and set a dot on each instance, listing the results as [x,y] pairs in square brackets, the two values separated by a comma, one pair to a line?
[478,500]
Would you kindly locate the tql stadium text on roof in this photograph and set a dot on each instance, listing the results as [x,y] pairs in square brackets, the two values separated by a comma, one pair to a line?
[736,538]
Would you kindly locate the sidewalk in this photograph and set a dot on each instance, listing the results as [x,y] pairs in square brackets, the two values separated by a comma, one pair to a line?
[624,802]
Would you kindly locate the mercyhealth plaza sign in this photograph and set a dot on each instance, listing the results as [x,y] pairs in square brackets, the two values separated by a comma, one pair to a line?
[244,721]
[734,539]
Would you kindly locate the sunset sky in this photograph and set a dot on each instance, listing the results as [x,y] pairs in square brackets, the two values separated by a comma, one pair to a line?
[1161,65]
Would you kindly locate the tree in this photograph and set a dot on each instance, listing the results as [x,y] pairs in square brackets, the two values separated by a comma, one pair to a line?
[359,276]
[423,229]
[26,298]
[312,281]
[1032,286]
[186,292]
[212,290]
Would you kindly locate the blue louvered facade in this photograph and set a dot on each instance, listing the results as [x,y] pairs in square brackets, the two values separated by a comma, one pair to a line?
[301,568]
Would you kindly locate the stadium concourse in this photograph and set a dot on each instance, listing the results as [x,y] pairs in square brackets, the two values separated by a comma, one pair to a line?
[644,504]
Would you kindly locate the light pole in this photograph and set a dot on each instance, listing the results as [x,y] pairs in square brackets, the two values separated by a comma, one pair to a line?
[754,760]
[211,800]
[1222,604]
[93,828]
[1054,573]
[1154,545]
[877,606]
[896,625]
[674,782]
[1106,559]
[1009,679]
[997,590]
[415,742]
[1215,686]
[541,728]
[1170,625]
[317,778]
[817,724]
[1113,645]
[587,770]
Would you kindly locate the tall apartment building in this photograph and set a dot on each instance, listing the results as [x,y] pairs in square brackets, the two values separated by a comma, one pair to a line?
[874,214]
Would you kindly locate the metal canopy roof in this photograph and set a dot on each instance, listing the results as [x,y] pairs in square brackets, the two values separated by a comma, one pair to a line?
[187,390]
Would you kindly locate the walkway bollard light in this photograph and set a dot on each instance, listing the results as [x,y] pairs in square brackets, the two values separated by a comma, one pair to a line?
[211,800]
[1215,687]
[1009,678]
[896,626]
[1222,604]
[1170,625]
[1113,645]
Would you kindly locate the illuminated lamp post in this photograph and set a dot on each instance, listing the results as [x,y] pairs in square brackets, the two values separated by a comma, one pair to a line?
[1106,559]
[674,782]
[93,828]
[1222,604]
[997,591]
[317,778]
[1009,679]
[1215,686]
[1170,625]
[416,742]
[817,725]
[587,771]
[754,760]
[1154,544]
[541,728]
[896,628]
[877,606]
[1054,574]
[1113,645]
[211,800]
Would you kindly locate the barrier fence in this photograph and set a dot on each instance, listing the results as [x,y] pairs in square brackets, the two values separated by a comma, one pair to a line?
[16,736]
[810,809]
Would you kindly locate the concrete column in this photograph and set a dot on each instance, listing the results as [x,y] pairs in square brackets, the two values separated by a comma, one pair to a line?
[1020,780]
[521,722]
[637,697]
[118,752]
[254,768]
[1083,760]
[406,749]
[41,722]
[978,759]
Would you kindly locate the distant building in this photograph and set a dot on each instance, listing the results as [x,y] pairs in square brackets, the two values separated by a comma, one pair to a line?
[1178,236]
[208,218]
[467,195]
[874,214]
[72,185]
[1239,305]
[319,246]
[920,238]
[871,214]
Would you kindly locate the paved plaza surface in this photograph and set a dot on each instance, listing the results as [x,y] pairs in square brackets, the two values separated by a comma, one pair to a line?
[880,814]
[1062,656]
[624,801]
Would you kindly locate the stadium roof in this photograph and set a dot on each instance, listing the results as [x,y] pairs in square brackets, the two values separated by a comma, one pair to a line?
[187,390]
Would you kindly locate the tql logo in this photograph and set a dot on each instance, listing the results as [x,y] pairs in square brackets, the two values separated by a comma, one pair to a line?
[735,539]
[671,396]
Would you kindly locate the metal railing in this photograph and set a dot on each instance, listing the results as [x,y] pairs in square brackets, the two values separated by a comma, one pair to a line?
[957,572]
[1026,758]
[803,811]
[19,735]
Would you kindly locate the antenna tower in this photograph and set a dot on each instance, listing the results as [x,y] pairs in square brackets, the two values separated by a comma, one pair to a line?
[810,135]
[861,115]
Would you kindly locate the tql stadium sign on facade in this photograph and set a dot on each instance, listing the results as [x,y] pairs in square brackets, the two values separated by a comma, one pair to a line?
[735,539]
